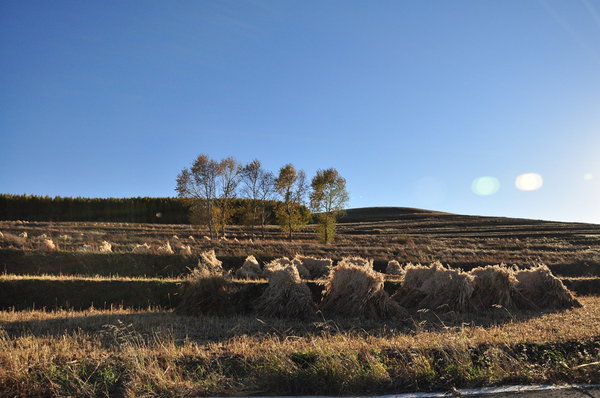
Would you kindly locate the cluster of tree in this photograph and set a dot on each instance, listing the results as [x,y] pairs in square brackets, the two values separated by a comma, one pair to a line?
[209,186]
[137,210]
[133,210]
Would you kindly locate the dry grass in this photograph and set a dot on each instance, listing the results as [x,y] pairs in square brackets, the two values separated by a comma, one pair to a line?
[148,353]
[368,349]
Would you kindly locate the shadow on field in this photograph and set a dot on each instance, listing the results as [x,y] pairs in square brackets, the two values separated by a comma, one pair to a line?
[204,329]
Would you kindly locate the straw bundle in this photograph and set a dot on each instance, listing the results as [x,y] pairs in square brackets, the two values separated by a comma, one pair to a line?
[358,261]
[447,288]
[141,249]
[541,289]
[105,247]
[208,261]
[165,249]
[493,285]
[302,270]
[250,269]
[206,292]
[287,296]
[48,244]
[275,265]
[357,291]
[185,250]
[317,267]
[394,268]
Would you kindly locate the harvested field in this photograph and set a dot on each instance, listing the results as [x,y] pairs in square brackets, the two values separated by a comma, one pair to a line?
[406,235]
[94,316]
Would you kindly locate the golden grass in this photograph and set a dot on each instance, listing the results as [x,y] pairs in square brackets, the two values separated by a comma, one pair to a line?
[151,353]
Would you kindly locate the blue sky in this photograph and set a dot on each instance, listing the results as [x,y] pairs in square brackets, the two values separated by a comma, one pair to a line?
[410,100]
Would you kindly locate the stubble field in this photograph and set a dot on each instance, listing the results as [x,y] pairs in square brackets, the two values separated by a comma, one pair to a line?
[79,319]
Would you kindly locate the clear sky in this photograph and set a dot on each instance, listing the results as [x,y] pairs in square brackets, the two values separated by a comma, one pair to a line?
[411,101]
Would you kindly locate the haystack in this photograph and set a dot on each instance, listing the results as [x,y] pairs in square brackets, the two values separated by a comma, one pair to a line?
[250,269]
[207,238]
[208,260]
[317,267]
[449,289]
[287,296]
[105,247]
[394,268]
[1,235]
[86,249]
[435,287]
[357,291]
[165,249]
[185,250]
[23,235]
[191,237]
[48,244]
[493,285]
[206,292]
[542,290]
[358,261]
[141,249]
[302,270]
[275,265]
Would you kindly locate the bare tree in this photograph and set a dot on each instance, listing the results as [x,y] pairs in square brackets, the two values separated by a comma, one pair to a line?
[266,190]
[198,185]
[291,187]
[229,175]
[256,187]
[328,199]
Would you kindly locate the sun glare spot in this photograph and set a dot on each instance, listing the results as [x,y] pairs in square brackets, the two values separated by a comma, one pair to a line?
[529,181]
[588,176]
[485,185]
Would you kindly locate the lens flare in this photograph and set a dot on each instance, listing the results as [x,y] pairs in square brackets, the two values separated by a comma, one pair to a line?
[529,181]
[588,176]
[485,186]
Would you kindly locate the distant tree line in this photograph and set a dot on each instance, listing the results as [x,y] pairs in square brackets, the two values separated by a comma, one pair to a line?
[134,210]
[209,188]
[211,193]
